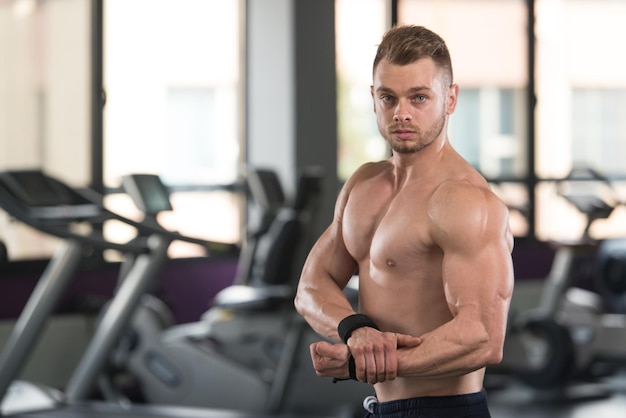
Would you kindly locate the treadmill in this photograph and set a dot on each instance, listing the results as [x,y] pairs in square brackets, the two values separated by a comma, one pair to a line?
[53,207]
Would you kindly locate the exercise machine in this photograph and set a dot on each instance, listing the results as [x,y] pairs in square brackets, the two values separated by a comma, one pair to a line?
[572,338]
[610,277]
[249,351]
[53,207]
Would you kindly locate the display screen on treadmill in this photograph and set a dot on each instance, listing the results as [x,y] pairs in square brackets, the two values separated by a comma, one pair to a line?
[35,189]
[152,193]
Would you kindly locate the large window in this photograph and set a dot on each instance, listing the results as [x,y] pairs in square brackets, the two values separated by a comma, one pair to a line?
[44,101]
[581,85]
[172,81]
[360,25]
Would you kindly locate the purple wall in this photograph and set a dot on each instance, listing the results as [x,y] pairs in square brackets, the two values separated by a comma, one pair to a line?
[189,285]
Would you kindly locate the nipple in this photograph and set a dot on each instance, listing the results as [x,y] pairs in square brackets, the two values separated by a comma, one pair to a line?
[390,263]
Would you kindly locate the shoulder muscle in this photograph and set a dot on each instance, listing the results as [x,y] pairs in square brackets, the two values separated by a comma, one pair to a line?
[466,214]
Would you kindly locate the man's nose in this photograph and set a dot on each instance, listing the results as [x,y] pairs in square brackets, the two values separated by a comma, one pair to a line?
[401,113]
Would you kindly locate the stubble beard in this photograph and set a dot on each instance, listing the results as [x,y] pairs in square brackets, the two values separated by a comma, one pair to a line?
[424,139]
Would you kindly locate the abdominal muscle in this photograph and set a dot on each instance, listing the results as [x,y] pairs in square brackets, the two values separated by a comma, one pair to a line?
[414,387]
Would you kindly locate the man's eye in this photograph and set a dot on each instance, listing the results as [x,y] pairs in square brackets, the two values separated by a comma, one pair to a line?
[420,98]
[386,99]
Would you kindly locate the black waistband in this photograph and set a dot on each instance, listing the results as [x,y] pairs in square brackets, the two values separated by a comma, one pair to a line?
[426,402]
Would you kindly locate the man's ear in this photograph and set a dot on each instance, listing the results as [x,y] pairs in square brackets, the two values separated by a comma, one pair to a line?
[451,98]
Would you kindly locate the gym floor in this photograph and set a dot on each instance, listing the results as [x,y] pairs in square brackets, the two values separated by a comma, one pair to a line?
[600,400]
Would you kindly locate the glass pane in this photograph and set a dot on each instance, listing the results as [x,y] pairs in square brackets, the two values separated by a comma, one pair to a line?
[581,94]
[360,25]
[215,212]
[599,128]
[581,86]
[172,103]
[515,196]
[487,42]
[44,101]
[560,220]
[173,106]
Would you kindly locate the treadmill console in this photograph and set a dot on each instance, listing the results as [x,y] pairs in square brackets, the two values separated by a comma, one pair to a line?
[148,192]
[44,197]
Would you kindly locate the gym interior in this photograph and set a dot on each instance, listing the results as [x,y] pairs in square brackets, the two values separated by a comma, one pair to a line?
[165,167]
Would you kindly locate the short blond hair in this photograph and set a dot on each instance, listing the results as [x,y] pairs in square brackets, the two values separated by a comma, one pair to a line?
[406,44]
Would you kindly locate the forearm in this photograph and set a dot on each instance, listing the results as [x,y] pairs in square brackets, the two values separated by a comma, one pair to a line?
[323,310]
[453,349]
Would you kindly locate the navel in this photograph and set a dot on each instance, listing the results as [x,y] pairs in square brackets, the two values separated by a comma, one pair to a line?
[391,263]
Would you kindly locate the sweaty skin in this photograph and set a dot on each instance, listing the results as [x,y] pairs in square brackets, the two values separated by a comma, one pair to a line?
[432,246]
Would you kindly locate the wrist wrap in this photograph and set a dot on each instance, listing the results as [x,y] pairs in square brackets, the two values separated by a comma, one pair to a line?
[351,371]
[352,322]
[352,368]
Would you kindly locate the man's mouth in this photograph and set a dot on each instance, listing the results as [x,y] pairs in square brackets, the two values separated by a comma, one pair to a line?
[403,133]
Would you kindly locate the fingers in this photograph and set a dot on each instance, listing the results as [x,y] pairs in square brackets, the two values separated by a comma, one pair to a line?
[321,348]
[391,372]
[330,360]
[407,341]
[381,363]
[375,356]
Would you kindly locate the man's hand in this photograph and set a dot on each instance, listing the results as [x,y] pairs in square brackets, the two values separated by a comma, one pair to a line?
[331,360]
[375,353]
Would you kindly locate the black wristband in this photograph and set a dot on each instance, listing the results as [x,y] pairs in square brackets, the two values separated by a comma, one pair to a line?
[352,368]
[352,322]
[351,371]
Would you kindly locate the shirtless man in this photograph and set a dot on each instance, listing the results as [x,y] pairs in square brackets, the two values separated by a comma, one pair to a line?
[432,247]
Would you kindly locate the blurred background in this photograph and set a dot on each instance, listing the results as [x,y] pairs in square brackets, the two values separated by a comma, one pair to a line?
[197,91]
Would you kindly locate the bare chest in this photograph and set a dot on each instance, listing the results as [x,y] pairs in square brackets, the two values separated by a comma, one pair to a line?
[387,230]
[399,264]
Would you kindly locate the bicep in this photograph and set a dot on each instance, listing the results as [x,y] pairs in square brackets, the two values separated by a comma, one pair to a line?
[480,277]
[328,259]
[477,269]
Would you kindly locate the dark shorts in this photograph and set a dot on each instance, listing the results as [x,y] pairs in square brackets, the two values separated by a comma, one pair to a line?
[472,405]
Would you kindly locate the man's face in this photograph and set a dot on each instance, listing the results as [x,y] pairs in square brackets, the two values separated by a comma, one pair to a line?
[412,103]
